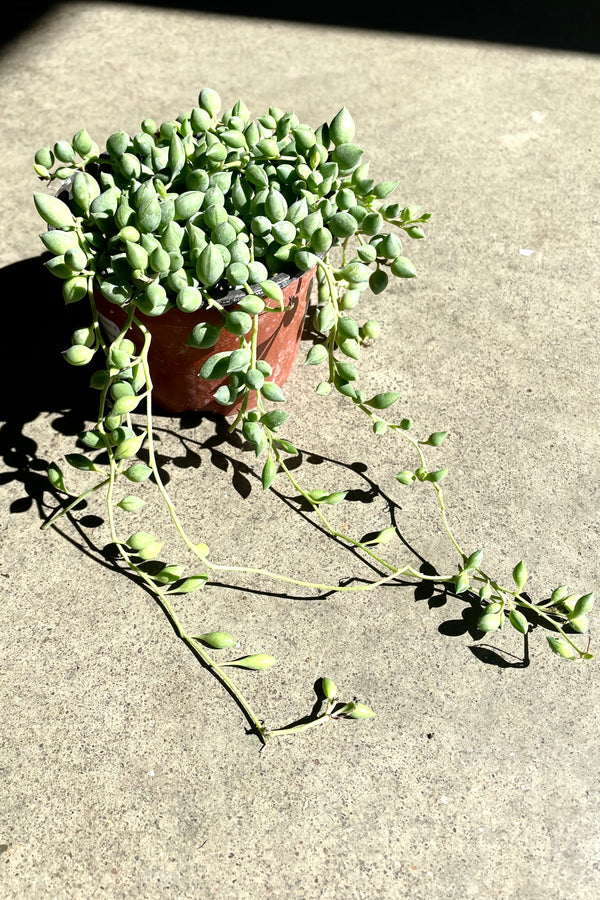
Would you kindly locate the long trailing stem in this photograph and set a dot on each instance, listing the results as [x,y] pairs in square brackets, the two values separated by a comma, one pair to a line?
[65,509]
[273,443]
[514,597]
[252,570]
[159,593]
[395,572]
[318,203]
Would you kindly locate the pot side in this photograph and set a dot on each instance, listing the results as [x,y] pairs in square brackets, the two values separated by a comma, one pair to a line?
[174,367]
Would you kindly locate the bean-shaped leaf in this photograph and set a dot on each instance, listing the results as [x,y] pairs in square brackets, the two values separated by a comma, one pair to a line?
[415,232]
[129,447]
[215,366]
[341,129]
[287,446]
[305,260]
[238,322]
[252,305]
[58,241]
[254,379]
[225,395]
[384,188]
[204,335]
[383,400]
[274,418]
[81,462]
[347,156]
[257,662]
[130,503]
[140,539]
[189,299]
[349,347]
[239,360]
[149,216]
[136,255]
[193,583]
[125,404]
[85,190]
[473,561]
[489,622]
[117,143]
[92,439]
[584,605]
[53,211]
[252,432]
[168,574]
[518,621]
[272,392]
[78,355]
[218,640]
[256,175]
[269,473]
[138,473]
[347,371]
[74,289]
[561,647]
[342,224]
[378,281]
[437,475]
[210,265]
[326,318]
[403,268]
[176,155]
[356,272]
[317,354]
[520,574]
[360,711]
[334,498]
[151,551]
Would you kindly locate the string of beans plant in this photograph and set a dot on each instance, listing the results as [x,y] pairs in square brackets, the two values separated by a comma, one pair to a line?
[176,216]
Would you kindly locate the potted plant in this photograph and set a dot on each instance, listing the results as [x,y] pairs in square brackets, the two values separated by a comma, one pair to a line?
[194,243]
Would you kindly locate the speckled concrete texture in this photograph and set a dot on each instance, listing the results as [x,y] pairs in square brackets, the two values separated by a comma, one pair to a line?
[125,770]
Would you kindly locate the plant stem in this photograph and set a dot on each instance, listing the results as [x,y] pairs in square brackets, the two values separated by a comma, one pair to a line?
[294,729]
[167,608]
[66,509]
[250,570]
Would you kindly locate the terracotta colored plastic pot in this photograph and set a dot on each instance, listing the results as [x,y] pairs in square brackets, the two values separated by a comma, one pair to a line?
[174,367]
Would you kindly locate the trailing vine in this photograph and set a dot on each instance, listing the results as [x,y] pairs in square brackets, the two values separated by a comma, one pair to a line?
[174,217]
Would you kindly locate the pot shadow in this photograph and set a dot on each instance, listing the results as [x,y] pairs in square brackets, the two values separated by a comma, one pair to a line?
[62,393]
[36,379]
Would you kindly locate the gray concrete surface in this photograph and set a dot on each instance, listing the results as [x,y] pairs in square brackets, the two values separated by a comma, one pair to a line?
[125,770]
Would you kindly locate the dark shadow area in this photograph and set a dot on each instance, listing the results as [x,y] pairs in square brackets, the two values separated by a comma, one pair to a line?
[23,16]
[554,24]
[36,379]
[501,659]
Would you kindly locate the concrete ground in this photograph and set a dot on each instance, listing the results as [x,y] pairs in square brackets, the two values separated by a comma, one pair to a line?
[126,770]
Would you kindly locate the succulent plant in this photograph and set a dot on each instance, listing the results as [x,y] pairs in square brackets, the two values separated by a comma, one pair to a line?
[176,216]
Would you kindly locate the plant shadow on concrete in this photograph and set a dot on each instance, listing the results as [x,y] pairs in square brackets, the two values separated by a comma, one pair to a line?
[64,395]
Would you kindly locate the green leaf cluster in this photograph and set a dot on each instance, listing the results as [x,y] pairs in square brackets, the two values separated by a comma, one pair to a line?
[175,216]
[177,212]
